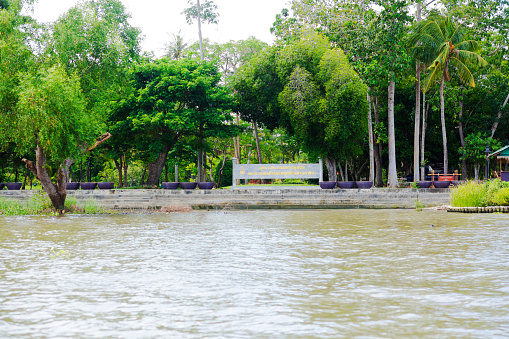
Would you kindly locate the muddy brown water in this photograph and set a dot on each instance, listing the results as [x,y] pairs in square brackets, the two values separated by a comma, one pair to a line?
[256,274]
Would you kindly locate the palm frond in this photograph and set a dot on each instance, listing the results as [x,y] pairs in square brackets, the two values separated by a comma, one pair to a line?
[468,45]
[471,58]
[430,79]
[463,72]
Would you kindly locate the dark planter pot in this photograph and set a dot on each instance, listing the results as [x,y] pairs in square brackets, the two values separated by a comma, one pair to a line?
[364,184]
[441,184]
[424,184]
[188,185]
[346,184]
[72,185]
[208,185]
[327,185]
[2,185]
[170,185]
[88,185]
[14,186]
[105,185]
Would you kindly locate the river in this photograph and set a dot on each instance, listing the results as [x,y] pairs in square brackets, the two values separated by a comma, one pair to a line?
[256,274]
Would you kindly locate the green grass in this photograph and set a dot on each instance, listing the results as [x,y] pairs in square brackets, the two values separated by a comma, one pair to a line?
[473,194]
[40,204]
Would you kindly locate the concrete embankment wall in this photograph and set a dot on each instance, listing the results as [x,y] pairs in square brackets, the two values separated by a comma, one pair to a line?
[256,198]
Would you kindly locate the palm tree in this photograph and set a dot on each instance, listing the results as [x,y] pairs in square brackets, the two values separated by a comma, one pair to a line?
[176,48]
[441,43]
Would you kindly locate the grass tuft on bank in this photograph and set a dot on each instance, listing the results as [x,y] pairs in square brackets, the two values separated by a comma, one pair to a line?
[39,204]
[473,194]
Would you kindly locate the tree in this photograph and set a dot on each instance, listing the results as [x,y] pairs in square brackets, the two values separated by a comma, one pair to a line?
[324,98]
[206,13]
[176,48]
[51,117]
[473,151]
[171,100]
[444,44]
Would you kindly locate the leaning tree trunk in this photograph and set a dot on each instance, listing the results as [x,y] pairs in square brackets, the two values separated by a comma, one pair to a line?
[392,175]
[257,139]
[155,169]
[495,124]
[199,28]
[331,168]
[56,192]
[442,118]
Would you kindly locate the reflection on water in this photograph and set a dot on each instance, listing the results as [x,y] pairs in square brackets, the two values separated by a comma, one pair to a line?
[256,274]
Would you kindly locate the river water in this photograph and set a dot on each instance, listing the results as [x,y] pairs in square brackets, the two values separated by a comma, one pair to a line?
[256,274]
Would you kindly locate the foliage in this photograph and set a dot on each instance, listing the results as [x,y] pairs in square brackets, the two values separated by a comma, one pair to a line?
[473,194]
[475,145]
[208,13]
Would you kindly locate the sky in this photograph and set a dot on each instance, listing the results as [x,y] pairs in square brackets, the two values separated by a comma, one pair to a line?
[159,19]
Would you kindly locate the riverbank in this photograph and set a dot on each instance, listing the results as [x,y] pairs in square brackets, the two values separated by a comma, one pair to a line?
[247,198]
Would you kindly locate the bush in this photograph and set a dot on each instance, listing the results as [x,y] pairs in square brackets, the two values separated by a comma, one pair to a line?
[472,194]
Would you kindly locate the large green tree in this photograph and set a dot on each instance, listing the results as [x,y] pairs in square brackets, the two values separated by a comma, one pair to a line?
[171,100]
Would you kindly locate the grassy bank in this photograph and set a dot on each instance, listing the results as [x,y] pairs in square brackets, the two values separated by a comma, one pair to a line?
[473,194]
[39,204]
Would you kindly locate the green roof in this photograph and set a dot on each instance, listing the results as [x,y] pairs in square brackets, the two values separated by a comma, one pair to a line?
[503,152]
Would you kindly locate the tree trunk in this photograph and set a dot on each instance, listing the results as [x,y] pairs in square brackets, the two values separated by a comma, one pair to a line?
[126,166]
[257,139]
[341,172]
[476,171]
[495,124]
[370,134]
[346,169]
[199,164]
[379,182]
[442,118]
[423,135]
[462,136]
[89,172]
[331,168]
[118,165]
[176,171]
[155,169]
[393,174]
[56,192]
[417,123]
[199,29]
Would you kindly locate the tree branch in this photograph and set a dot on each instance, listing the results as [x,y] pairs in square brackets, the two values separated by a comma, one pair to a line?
[99,141]
[31,166]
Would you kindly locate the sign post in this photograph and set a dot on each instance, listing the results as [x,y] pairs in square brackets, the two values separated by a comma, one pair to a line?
[276,171]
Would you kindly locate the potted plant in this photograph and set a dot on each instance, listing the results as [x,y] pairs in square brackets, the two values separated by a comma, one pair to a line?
[346,184]
[424,184]
[2,185]
[327,185]
[441,184]
[364,184]
[88,185]
[105,185]
[188,185]
[72,185]
[206,185]
[170,185]
[14,185]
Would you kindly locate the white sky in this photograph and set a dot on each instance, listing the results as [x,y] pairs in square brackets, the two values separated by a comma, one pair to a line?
[158,19]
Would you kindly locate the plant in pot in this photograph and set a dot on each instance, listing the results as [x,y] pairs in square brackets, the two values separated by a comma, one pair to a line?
[72,185]
[206,185]
[346,184]
[105,185]
[364,184]
[170,185]
[14,186]
[327,185]
[188,185]
[88,185]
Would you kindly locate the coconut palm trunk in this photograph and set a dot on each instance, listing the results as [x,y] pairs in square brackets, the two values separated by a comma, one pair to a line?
[442,119]
[393,175]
